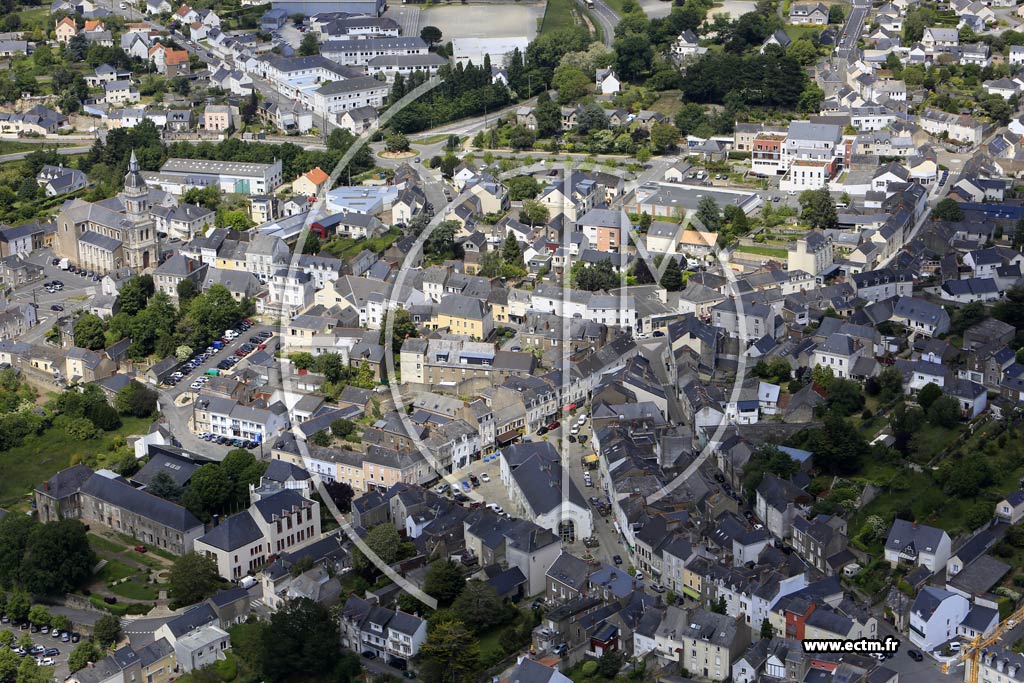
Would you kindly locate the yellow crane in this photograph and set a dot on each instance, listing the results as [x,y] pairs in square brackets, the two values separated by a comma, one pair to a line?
[970,653]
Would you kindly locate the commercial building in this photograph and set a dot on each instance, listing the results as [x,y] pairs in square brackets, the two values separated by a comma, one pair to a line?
[179,175]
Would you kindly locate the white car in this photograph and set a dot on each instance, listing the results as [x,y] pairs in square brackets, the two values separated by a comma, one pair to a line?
[575,430]
[195,385]
[485,477]
[582,421]
[48,661]
[495,507]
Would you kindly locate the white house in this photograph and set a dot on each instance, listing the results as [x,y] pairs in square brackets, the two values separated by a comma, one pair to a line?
[910,543]
[935,616]
[607,82]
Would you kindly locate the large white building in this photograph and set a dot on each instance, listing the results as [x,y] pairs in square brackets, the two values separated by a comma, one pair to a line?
[177,176]
[278,523]
[466,50]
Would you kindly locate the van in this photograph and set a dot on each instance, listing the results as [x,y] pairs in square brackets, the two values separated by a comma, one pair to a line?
[247,581]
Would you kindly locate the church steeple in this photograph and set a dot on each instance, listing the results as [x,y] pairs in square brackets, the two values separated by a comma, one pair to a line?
[136,193]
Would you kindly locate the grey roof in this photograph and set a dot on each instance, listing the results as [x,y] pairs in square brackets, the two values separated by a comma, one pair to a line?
[178,469]
[198,616]
[459,306]
[529,671]
[921,537]
[120,493]
[237,531]
[928,600]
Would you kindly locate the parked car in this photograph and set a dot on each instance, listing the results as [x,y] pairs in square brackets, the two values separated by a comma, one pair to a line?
[56,307]
[485,477]
[141,549]
[915,655]
[465,486]
[617,559]
[369,654]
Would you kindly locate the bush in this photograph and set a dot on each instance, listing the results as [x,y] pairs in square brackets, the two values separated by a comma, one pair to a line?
[589,668]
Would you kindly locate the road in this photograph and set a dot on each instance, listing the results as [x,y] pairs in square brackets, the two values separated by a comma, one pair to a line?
[605,16]
[853,27]
[66,151]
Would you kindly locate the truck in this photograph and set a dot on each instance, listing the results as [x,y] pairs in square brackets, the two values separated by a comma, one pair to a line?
[65,263]
[590,4]
[213,372]
[247,581]
[218,344]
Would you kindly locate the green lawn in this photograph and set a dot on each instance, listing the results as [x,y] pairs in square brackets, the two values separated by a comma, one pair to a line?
[763,251]
[42,456]
[559,14]
[100,543]
[120,608]
[135,589]
[138,556]
[798,32]
[114,570]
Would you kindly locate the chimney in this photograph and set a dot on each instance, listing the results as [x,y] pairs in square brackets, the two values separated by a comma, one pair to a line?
[46,485]
[216,520]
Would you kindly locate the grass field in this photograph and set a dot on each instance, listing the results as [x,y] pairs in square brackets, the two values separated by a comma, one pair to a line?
[136,589]
[101,543]
[559,14]
[763,251]
[114,571]
[40,457]
[798,32]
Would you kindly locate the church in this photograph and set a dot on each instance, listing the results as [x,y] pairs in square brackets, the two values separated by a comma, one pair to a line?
[113,233]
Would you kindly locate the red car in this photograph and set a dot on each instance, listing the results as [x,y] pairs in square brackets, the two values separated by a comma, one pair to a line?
[140,549]
[554,425]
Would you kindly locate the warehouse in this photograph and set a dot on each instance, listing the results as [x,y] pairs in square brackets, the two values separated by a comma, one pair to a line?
[311,7]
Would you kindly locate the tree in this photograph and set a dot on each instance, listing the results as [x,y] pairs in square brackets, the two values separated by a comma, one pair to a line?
[522,187]
[591,119]
[163,486]
[89,332]
[402,328]
[135,293]
[944,412]
[431,35]
[818,209]
[136,400]
[928,394]
[642,273]
[803,51]
[634,57]
[193,578]
[599,276]
[521,137]
[396,142]
[14,534]
[83,653]
[18,604]
[511,252]
[479,606]
[708,213]
[309,45]
[571,83]
[58,558]
[386,544]
[450,654]
[341,493]
[836,15]
[320,438]
[107,630]
[672,278]
[838,447]
[444,581]
[39,615]
[297,642]
[7,637]
[719,606]
[766,629]
[9,663]
[533,213]
[343,428]
[844,397]
[664,136]
[548,115]
[30,672]
[208,492]
[947,210]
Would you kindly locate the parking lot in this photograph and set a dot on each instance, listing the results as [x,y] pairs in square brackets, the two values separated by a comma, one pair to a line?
[176,398]
[50,651]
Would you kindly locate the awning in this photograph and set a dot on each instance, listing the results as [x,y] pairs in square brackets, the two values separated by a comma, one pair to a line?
[508,437]
[590,458]
[571,406]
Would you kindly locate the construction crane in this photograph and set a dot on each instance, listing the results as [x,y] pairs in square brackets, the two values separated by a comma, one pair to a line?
[970,653]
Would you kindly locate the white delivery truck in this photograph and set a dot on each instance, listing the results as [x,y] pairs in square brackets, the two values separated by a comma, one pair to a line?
[65,263]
